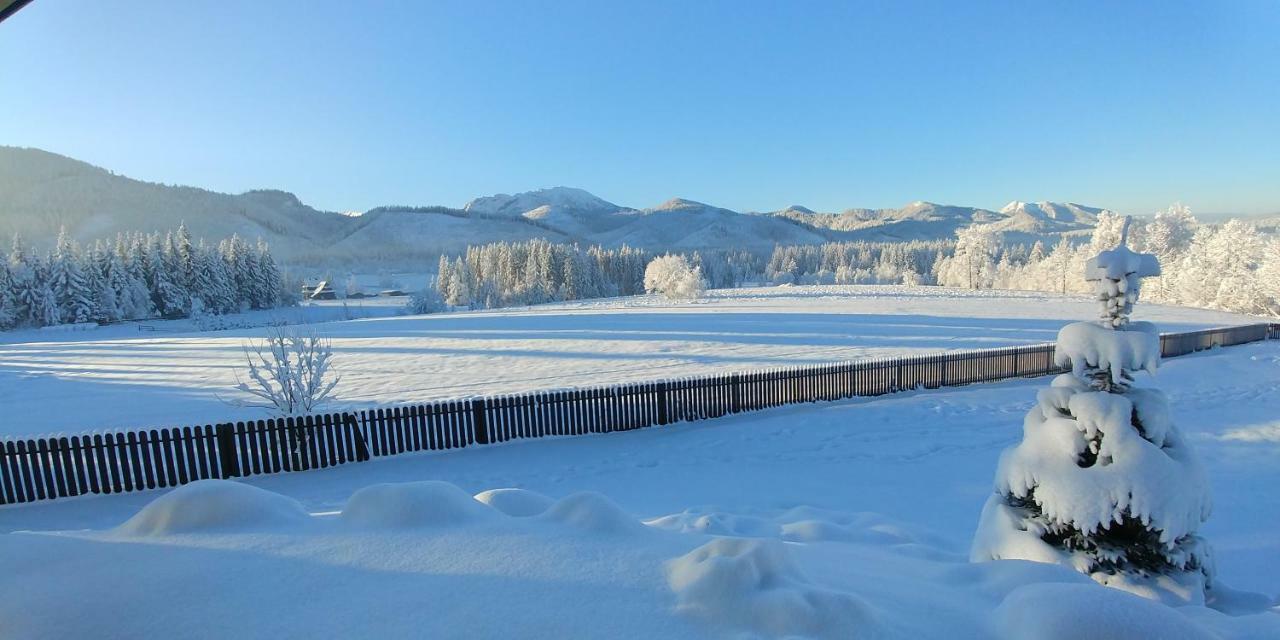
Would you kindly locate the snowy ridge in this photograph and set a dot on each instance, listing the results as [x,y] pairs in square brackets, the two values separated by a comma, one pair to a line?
[37,187]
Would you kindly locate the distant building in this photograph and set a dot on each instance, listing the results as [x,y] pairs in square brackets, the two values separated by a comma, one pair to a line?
[323,292]
[393,293]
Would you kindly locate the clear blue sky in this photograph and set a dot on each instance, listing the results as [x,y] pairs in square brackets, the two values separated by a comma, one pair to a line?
[746,105]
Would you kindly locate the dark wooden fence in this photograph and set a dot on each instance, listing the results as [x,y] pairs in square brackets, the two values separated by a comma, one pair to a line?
[60,466]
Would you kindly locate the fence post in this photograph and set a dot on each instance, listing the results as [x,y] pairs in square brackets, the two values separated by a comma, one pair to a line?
[662,402]
[357,436]
[478,422]
[230,462]
[735,393]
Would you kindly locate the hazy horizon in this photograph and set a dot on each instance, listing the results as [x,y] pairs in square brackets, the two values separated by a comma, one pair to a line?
[824,105]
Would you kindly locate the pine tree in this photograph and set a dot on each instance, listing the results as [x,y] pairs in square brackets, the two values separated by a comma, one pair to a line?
[98,273]
[267,278]
[134,292]
[459,294]
[8,297]
[38,296]
[1102,480]
[169,300]
[67,279]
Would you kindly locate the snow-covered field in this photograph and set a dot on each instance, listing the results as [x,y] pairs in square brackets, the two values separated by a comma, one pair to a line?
[840,520]
[122,377]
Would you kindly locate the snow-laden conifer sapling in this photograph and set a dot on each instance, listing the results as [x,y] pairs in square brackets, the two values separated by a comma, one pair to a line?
[1102,480]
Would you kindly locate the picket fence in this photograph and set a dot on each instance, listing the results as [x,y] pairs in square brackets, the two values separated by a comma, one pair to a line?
[106,463]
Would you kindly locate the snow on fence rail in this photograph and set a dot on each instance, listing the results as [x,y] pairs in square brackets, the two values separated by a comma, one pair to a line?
[59,466]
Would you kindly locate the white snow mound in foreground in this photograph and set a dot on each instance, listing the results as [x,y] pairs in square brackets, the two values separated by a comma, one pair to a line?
[752,586]
[216,506]
[1073,611]
[429,503]
[517,503]
[591,511]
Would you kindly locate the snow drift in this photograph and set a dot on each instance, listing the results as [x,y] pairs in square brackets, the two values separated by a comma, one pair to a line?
[414,504]
[752,586]
[517,503]
[215,506]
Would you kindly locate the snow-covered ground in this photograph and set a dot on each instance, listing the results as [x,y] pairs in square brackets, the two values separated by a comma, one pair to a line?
[121,377]
[842,520]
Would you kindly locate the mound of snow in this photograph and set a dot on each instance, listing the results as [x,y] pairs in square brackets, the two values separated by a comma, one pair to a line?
[428,503]
[517,503]
[592,512]
[216,506]
[1073,611]
[718,523]
[752,586]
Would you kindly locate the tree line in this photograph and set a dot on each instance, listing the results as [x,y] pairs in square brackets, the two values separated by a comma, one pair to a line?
[1231,266]
[135,277]
[857,262]
[504,274]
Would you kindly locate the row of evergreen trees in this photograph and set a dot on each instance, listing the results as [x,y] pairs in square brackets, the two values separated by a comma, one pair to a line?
[505,274]
[855,262]
[138,276]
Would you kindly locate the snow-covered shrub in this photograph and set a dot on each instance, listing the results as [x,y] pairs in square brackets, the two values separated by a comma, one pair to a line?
[674,277]
[428,300]
[289,373]
[1102,480]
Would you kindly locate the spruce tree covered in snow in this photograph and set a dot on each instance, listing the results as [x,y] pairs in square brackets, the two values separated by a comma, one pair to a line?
[8,301]
[168,296]
[138,276]
[38,295]
[1102,480]
[70,287]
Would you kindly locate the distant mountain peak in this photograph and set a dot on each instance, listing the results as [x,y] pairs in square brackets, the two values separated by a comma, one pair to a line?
[679,203]
[1061,212]
[542,202]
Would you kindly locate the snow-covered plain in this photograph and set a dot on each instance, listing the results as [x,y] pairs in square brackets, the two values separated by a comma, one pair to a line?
[840,520]
[121,377]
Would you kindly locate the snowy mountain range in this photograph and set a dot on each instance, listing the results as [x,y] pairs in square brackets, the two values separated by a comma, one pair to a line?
[41,192]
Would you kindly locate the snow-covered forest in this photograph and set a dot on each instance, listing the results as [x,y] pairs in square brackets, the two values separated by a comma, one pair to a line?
[505,274]
[855,262]
[1231,266]
[138,276]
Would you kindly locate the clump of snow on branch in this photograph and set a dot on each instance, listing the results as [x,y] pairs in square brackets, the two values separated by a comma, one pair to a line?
[289,373]
[1086,346]
[674,277]
[1102,480]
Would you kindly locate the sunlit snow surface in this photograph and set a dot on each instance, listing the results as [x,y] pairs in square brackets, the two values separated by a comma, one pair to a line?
[846,519]
[121,377]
